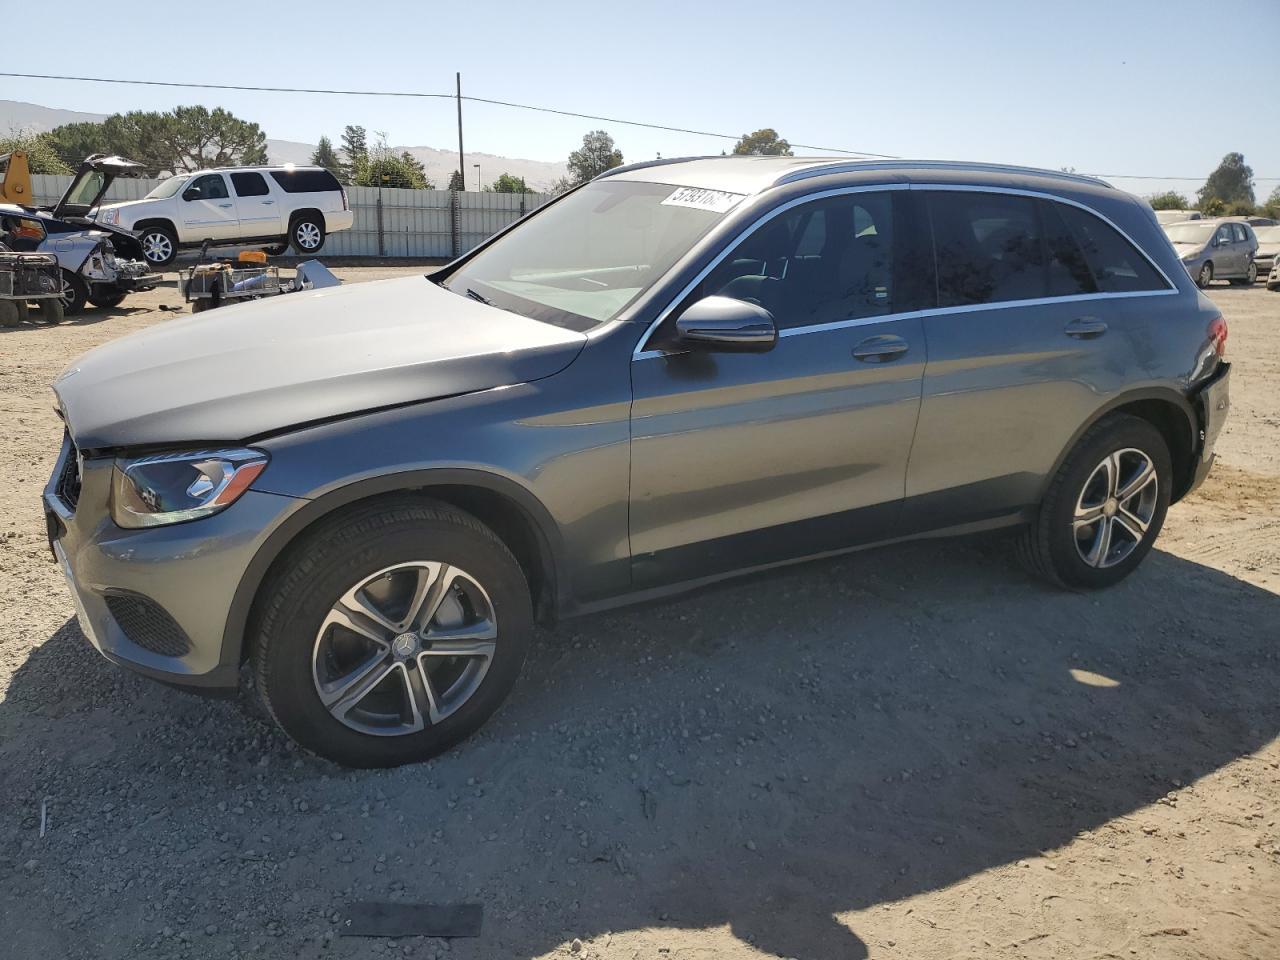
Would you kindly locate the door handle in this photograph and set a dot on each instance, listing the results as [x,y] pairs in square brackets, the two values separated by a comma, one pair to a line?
[880,349]
[1086,328]
[224,206]
[265,202]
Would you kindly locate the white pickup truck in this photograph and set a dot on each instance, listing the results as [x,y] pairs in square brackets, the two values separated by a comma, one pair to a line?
[232,206]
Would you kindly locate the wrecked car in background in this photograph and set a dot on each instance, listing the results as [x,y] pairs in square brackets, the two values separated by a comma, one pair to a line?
[99,264]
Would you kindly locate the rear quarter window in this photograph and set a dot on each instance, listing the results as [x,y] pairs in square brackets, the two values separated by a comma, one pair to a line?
[1116,264]
[306,181]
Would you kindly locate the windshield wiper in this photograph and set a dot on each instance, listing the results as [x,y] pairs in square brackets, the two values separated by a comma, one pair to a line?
[479,296]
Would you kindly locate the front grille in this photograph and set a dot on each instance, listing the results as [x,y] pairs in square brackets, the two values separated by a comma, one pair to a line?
[68,486]
[148,624]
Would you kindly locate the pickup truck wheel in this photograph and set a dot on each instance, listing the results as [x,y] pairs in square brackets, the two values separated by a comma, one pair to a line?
[159,245]
[1104,507]
[75,293]
[306,234]
[391,632]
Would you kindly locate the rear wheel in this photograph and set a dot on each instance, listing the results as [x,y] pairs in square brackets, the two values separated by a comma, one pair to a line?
[1205,276]
[48,311]
[1105,506]
[393,632]
[159,245]
[107,298]
[75,293]
[12,313]
[306,233]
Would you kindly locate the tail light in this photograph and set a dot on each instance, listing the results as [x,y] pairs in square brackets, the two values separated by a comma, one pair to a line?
[1218,336]
[346,204]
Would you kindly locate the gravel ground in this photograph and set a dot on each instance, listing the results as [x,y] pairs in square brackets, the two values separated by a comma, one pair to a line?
[917,752]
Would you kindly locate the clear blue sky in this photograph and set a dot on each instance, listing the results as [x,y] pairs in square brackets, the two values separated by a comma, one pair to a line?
[1105,87]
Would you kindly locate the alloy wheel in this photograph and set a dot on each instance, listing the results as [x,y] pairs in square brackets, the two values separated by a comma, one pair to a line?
[307,234]
[156,247]
[1206,275]
[1115,508]
[404,648]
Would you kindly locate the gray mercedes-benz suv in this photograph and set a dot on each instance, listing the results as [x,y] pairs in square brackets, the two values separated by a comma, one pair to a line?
[679,371]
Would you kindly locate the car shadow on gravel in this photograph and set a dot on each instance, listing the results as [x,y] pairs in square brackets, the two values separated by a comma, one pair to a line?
[773,755]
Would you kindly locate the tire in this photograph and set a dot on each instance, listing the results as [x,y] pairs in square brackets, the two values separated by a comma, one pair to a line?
[75,293]
[1059,548]
[1205,276]
[48,311]
[300,645]
[277,249]
[306,234]
[159,245]
[105,300]
[1251,275]
[12,313]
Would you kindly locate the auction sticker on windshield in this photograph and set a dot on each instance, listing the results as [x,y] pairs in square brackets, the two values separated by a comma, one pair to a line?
[717,201]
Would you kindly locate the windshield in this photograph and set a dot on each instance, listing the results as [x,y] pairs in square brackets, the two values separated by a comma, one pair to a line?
[166,188]
[1267,234]
[583,260]
[1190,232]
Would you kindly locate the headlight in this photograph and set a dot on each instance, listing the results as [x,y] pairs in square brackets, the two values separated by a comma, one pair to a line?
[173,487]
[110,216]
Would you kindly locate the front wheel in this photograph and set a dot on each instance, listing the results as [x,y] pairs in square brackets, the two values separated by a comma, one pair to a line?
[75,293]
[1104,507]
[1251,275]
[393,632]
[307,234]
[1205,276]
[107,299]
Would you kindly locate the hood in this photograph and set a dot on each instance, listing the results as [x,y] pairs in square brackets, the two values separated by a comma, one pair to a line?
[1268,249]
[242,371]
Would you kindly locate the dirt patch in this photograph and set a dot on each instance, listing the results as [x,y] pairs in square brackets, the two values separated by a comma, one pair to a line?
[916,752]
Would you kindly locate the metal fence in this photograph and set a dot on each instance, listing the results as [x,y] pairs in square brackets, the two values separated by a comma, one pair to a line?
[389,222]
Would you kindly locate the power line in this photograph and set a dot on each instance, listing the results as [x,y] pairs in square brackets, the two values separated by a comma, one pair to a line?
[519,106]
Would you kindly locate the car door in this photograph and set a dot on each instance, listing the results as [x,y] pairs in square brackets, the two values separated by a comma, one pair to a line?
[257,208]
[1245,246]
[742,459]
[208,211]
[1027,341]
[1226,252]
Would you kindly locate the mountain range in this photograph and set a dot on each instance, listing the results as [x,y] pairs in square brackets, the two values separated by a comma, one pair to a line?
[440,164]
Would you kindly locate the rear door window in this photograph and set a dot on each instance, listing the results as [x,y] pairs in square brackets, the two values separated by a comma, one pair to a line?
[1116,264]
[305,181]
[249,184]
[989,248]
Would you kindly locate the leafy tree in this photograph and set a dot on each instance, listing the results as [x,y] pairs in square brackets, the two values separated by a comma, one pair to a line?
[563,185]
[383,167]
[1213,207]
[763,143]
[456,183]
[597,155]
[1170,200]
[181,139]
[325,156]
[1239,208]
[509,184]
[1272,207]
[355,150]
[41,151]
[1232,181]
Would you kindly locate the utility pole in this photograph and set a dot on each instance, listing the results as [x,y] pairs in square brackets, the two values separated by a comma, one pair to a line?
[478,187]
[462,167]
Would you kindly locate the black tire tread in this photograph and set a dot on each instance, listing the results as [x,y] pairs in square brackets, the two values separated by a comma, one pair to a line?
[1034,538]
[329,537]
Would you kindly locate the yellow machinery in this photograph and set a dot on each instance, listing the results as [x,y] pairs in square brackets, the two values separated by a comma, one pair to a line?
[15,179]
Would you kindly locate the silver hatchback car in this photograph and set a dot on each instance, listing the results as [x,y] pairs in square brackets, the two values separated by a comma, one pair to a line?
[1216,250]
[680,371]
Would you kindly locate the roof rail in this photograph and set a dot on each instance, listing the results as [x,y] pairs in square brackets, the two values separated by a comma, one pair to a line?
[850,166]
[660,162]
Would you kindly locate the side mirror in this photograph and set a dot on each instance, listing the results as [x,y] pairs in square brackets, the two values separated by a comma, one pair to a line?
[191,193]
[727,325]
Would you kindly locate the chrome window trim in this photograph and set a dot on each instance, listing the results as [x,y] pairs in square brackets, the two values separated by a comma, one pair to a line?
[861,166]
[642,354]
